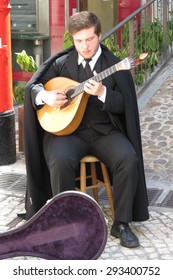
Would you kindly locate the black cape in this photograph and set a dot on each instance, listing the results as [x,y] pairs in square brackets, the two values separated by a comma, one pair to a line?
[38,189]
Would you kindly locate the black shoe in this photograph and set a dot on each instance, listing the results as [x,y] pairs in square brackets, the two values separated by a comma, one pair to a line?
[127,237]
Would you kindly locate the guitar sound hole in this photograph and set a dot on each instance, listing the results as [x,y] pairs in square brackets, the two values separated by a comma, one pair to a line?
[69,93]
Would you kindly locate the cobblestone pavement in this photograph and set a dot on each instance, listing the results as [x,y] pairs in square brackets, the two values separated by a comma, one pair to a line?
[156,234]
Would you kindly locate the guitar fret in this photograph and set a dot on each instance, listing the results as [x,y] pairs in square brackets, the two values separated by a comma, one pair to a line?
[78,89]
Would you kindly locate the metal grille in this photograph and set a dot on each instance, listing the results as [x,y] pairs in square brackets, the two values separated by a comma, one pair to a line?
[168,201]
[16,183]
[153,195]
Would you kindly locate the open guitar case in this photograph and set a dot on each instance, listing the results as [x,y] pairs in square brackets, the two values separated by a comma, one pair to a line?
[71,226]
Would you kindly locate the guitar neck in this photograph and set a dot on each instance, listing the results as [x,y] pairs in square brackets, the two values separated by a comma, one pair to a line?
[101,76]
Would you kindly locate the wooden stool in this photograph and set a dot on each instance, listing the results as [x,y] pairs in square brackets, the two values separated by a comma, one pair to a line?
[96,183]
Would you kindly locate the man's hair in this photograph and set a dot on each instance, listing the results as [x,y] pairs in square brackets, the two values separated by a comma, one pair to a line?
[83,20]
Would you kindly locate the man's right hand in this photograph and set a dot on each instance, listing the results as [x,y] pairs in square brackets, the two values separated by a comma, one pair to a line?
[54,98]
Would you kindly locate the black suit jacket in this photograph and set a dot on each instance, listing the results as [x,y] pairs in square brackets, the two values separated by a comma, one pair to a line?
[65,64]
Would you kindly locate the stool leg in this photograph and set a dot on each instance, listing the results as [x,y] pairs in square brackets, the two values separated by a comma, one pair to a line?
[108,187]
[83,177]
[94,180]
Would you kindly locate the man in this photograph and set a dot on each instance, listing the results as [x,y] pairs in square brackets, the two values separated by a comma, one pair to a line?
[109,129]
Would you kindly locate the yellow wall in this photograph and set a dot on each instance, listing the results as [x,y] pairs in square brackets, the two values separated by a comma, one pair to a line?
[107,12]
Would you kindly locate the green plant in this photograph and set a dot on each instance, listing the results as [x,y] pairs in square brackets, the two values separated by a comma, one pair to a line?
[68,41]
[27,64]
[18,93]
[148,39]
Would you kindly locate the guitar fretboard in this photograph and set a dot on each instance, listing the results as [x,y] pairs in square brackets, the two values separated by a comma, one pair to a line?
[99,77]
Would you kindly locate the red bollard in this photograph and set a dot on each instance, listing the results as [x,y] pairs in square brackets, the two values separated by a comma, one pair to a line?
[7,114]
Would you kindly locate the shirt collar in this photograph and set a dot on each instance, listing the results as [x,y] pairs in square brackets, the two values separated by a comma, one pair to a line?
[94,58]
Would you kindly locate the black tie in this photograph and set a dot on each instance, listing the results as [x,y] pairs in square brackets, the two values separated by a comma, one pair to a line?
[88,68]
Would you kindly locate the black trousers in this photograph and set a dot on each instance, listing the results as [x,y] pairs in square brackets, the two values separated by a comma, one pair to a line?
[63,154]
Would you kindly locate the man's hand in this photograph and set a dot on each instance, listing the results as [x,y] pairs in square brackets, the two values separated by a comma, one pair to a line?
[94,88]
[54,98]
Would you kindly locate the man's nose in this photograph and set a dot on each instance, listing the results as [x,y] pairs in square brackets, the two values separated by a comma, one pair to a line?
[85,45]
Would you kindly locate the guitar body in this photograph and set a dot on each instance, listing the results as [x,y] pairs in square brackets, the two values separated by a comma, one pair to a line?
[63,121]
[71,226]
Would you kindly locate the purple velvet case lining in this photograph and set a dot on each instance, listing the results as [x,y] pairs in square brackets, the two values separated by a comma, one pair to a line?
[71,226]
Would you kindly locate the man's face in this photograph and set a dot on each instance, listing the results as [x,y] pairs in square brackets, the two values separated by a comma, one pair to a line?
[86,42]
